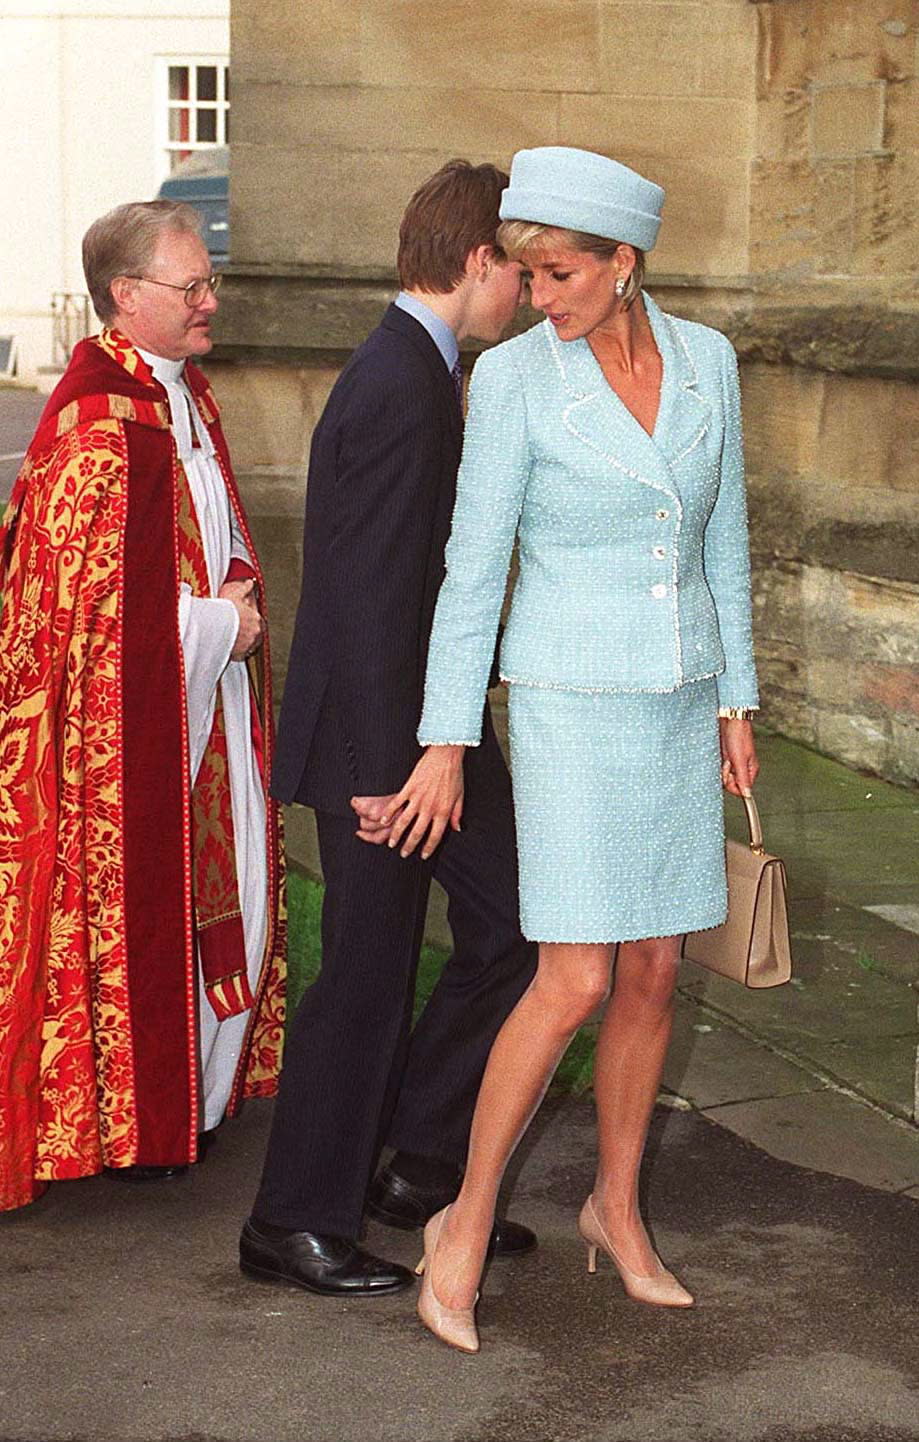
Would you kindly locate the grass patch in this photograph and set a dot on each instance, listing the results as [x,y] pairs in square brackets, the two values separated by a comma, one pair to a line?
[304,905]
[304,900]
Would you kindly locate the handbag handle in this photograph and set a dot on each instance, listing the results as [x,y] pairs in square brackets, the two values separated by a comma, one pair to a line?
[755,825]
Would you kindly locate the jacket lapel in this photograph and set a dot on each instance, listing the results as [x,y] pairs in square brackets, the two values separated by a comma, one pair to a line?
[685,414]
[595,415]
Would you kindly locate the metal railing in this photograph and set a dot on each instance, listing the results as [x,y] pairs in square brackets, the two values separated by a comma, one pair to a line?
[70,314]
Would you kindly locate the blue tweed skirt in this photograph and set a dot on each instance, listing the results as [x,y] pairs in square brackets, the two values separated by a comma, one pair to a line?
[620,826]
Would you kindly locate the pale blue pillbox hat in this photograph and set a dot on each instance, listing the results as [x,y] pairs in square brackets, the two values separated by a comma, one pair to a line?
[580,190]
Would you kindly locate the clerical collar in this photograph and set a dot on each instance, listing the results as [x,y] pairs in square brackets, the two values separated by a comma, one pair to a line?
[164,370]
[187,425]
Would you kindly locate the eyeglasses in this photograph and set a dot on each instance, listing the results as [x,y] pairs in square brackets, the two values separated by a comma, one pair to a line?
[194,292]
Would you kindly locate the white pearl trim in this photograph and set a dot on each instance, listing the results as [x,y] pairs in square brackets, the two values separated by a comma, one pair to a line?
[422,742]
[608,690]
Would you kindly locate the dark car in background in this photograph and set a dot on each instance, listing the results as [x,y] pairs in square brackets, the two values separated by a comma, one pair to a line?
[203,181]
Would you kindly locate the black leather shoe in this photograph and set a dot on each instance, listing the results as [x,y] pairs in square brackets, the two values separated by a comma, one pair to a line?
[403,1204]
[145,1174]
[331,1266]
[408,1205]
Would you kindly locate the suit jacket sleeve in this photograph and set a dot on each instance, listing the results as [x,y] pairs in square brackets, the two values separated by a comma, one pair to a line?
[373,564]
[490,490]
[727,554]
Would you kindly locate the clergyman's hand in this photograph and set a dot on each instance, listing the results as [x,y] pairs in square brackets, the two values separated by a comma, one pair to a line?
[251,627]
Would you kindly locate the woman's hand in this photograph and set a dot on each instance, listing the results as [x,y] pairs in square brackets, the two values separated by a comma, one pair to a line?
[429,802]
[739,763]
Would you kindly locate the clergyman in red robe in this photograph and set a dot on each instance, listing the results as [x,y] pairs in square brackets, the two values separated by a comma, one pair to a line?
[142,938]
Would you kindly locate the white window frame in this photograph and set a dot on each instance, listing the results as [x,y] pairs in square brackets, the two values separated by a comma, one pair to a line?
[165,147]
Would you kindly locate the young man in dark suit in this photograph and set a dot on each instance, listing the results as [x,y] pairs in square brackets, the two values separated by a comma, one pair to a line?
[379,503]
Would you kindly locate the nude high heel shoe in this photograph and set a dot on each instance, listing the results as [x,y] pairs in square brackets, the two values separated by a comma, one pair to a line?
[453,1325]
[661,1289]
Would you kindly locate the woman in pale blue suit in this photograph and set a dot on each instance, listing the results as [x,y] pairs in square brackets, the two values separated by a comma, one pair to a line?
[607,440]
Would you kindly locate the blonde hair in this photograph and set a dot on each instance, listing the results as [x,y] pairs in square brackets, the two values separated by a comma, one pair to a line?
[528,239]
[122,242]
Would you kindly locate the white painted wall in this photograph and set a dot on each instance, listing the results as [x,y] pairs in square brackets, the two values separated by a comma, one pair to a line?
[79,134]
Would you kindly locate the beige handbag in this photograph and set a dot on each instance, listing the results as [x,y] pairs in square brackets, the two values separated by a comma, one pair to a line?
[753,946]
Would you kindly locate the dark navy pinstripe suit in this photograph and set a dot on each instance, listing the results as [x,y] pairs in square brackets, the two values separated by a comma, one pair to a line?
[379,503]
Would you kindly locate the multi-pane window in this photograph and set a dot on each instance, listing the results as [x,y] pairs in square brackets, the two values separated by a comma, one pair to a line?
[197,109]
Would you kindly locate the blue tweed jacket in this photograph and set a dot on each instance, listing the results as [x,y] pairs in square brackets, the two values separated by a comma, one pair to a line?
[634,561]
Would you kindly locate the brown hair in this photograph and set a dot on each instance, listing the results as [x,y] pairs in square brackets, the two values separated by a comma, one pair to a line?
[122,242]
[451,214]
[527,238]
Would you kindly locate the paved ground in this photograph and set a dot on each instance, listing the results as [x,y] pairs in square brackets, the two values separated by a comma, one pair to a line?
[125,1320]
[19,413]
[847,1024]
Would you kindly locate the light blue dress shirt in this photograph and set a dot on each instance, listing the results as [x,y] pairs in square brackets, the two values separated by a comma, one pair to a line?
[437,329]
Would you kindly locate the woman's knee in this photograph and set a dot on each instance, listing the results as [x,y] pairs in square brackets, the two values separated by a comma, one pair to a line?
[571,982]
[647,970]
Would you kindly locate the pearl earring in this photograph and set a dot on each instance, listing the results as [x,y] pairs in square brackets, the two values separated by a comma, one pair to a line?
[620,287]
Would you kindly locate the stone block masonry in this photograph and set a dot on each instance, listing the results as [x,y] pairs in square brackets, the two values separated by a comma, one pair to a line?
[834,475]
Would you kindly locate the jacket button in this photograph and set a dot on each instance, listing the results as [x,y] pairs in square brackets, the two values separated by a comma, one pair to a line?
[658,591]
[659,553]
[662,515]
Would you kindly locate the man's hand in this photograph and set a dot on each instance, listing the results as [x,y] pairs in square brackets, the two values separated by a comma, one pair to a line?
[429,802]
[370,811]
[739,764]
[249,635]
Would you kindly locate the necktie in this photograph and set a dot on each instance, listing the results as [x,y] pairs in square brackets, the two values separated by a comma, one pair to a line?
[457,374]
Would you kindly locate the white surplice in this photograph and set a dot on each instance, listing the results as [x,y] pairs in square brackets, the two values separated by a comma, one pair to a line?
[208,627]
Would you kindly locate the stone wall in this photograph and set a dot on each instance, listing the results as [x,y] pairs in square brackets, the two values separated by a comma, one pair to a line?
[836,166]
[786,132]
[834,474]
[341,107]
[832,487]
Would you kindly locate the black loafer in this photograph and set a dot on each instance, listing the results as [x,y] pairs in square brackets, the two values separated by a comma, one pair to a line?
[408,1205]
[331,1266]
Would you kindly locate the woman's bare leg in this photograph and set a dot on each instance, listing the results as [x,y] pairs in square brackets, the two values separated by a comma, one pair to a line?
[570,982]
[630,1057]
